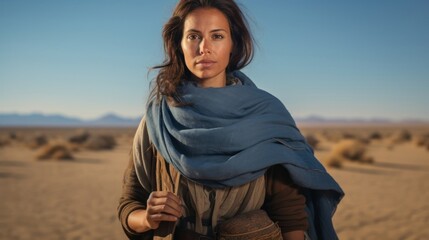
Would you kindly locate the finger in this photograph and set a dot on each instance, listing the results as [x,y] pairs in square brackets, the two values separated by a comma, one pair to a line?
[165,205]
[165,194]
[160,217]
[167,199]
[177,212]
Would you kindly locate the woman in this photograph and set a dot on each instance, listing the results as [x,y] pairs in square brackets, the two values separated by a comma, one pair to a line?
[213,147]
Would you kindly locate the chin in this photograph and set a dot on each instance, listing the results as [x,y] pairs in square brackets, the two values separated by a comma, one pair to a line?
[202,76]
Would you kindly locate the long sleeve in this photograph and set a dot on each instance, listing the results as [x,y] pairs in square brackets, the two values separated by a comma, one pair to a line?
[134,195]
[283,201]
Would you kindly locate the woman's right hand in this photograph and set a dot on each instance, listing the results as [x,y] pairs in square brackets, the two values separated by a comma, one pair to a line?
[162,206]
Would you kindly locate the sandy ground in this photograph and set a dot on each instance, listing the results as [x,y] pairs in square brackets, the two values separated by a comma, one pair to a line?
[388,199]
[77,199]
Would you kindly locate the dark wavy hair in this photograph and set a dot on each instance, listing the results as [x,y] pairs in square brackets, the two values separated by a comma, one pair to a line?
[173,69]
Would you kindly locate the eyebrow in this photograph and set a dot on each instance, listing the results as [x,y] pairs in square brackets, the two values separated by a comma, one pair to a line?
[214,30]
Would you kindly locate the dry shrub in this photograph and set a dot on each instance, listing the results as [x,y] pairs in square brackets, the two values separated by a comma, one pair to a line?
[375,136]
[312,140]
[102,142]
[347,135]
[332,136]
[401,137]
[334,161]
[364,140]
[80,138]
[13,136]
[57,151]
[4,142]
[423,141]
[38,141]
[348,150]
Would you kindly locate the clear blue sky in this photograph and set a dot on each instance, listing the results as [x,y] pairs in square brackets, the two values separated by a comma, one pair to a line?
[330,58]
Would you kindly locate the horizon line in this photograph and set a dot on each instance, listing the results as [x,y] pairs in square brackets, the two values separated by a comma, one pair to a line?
[310,116]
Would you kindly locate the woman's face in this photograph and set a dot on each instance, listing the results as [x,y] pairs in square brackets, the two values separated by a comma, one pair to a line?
[206,46]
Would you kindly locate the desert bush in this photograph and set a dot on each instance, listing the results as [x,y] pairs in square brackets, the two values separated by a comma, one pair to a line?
[102,142]
[13,136]
[57,151]
[332,136]
[401,137]
[375,136]
[38,141]
[80,138]
[423,141]
[363,140]
[4,142]
[349,150]
[312,140]
[347,135]
[334,161]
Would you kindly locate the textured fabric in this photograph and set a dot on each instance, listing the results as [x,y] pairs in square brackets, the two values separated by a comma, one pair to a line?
[230,128]
[284,202]
[241,130]
[205,207]
[288,209]
[167,179]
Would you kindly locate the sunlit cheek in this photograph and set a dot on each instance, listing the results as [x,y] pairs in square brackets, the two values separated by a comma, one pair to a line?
[185,50]
[226,54]
[188,50]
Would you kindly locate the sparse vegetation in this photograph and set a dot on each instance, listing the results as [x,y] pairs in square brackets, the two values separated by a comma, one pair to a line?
[38,141]
[401,137]
[13,136]
[56,151]
[348,150]
[80,138]
[332,136]
[347,135]
[423,141]
[375,136]
[4,142]
[312,140]
[102,142]
[334,161]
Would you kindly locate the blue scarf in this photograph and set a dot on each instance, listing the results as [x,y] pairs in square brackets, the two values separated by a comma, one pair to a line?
[231,135]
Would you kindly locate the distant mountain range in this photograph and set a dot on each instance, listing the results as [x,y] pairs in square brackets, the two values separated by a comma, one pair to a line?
[317,120]
[56,120]
[114,120]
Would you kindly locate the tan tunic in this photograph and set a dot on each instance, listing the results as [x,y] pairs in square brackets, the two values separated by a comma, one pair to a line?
[206,207]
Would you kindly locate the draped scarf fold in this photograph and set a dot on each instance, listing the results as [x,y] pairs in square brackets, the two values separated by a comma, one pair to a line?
[231,135]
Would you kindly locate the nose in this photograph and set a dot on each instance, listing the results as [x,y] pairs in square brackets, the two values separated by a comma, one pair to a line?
[205,47]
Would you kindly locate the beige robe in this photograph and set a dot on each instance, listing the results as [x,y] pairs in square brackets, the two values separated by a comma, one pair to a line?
[203,203]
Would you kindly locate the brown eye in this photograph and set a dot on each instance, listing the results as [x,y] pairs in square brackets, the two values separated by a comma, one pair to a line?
[217,36]
[193,37]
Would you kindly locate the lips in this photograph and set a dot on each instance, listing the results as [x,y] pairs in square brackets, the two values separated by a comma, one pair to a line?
[205,63]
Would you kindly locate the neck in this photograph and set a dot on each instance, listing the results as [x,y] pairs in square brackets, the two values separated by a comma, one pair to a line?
[214,82]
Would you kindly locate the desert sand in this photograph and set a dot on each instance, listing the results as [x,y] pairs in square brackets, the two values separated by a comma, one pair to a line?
[77,198]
